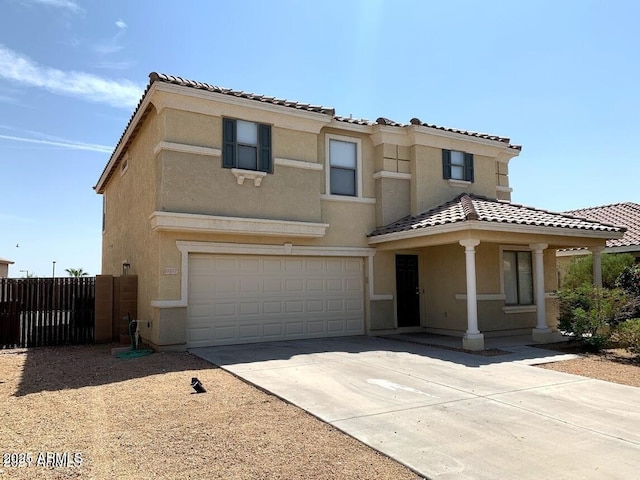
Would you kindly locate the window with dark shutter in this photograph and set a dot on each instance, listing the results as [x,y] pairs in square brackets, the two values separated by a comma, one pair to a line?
[457,165]
[246,145]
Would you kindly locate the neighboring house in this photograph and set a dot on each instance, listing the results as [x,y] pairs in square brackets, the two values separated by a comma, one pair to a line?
[4,267]
[626,214]
[249,218]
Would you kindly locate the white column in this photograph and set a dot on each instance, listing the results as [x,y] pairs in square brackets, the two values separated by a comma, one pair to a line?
[542,332]
[597,265]
[473,339]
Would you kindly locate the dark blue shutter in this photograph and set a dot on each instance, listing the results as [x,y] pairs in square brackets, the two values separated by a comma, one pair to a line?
[468,167]
[264,141]
[446,164]
[228,143]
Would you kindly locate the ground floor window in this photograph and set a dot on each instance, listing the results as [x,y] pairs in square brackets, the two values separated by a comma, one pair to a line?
[518,277]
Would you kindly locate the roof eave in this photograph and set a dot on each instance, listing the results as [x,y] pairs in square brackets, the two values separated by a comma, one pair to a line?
[139,114]
[504,227]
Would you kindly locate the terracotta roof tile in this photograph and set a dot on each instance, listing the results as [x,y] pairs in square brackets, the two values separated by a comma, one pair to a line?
[625,214]
[161,77]
[466,207]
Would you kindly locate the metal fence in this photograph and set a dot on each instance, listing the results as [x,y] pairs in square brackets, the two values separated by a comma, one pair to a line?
[36,312]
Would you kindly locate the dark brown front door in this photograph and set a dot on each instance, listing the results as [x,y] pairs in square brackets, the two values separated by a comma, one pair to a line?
[407,290]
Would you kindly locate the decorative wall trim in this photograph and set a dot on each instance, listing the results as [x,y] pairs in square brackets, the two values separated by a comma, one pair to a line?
[187,222]
[242,175]
[459,183]
[500,188]
[185,148]
[287,162]
[396,175]
[340,198]
[520,309]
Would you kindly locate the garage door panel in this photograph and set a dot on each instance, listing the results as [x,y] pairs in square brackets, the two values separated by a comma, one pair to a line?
[242,299]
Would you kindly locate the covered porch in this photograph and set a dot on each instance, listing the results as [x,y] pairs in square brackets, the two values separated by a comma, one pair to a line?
[476,267]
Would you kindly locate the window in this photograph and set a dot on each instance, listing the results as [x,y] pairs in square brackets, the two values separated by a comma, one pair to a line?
[457,165]
[246,145]
[518,277]
[343,161]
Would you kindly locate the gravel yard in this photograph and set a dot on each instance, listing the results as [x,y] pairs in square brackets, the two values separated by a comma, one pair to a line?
[137,418]
[97,416]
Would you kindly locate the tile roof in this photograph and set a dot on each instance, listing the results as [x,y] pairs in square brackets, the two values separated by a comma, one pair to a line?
[161,77]
[466,207]
[626,214]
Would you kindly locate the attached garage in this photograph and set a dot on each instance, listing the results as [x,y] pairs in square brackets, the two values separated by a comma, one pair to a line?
[236,299]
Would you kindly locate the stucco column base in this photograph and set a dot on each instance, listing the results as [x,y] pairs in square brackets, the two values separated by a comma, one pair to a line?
[543,335]
[473,341]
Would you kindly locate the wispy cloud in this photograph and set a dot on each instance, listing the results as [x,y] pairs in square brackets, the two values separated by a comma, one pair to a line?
[113,44]
[61,144]
[64,4]
[21,69]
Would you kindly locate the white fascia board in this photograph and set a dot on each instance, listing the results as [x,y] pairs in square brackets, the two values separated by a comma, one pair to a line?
[187,222]
[184,148]
[125,138]
[201,94]
[492,227]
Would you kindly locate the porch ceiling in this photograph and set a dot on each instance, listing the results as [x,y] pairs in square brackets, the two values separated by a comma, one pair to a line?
[473,215]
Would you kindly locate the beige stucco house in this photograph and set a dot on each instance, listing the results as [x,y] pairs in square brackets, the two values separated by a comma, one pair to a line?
[4,267]
[249,218]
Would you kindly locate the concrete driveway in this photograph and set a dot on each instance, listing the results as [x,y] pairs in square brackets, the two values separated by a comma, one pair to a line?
[451,415]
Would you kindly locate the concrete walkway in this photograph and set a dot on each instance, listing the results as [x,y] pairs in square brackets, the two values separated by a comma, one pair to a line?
[451,415]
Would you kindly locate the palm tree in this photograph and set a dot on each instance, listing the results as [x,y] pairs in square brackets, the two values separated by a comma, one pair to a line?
[76,272]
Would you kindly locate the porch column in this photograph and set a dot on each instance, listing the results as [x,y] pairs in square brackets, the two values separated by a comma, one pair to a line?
[473,339]
[597,265]
[542,333]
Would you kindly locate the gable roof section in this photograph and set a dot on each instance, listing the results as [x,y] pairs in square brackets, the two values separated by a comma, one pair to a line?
[469,207]
[138,117]
[626,214]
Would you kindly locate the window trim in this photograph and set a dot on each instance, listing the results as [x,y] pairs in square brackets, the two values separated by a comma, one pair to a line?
[517,248]
[263,147]
[343,138]
[468,166]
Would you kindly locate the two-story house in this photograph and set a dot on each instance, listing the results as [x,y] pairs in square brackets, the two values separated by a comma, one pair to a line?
[249,218]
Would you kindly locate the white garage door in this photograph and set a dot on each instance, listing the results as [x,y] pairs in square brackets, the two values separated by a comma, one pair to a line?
[244,299]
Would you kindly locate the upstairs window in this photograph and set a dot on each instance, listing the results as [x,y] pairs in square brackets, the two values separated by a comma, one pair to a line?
[518,277]
[457,165]
[246,145]
[343,161]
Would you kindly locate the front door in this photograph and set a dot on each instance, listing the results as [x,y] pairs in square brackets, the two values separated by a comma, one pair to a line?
[407,291]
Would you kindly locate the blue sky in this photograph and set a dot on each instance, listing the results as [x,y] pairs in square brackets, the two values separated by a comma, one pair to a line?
[560,78]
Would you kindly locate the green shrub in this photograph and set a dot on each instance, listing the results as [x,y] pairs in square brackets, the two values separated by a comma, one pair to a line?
[627,335]
[587,312]
[629,280]
[580,271]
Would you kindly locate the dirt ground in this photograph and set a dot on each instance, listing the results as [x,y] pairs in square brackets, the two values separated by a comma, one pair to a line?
[97,416]
[612,365]
[78,412]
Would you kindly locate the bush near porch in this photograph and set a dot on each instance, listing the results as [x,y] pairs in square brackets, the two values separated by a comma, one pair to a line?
[600,317]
